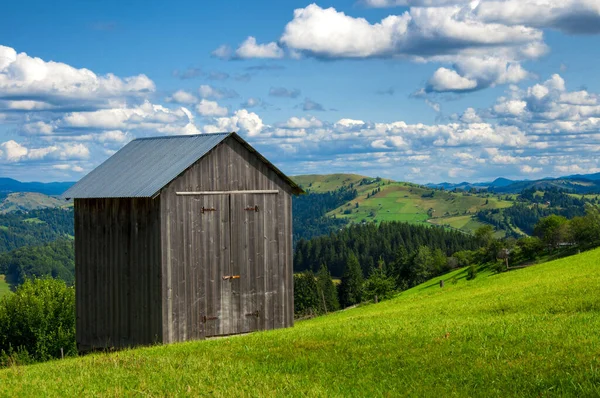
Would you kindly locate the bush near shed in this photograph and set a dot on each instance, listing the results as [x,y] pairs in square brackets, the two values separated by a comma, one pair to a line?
[37,321]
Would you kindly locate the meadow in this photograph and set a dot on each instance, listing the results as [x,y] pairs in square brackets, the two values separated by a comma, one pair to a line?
[528,332]
[415,204]
[4,286]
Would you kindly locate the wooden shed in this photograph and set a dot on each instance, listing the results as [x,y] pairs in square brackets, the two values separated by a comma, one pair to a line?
[180,238]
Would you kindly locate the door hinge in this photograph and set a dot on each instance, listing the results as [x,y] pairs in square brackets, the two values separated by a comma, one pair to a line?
[229,277]
[252,208]
[205,209]
[255,313]
[209,318]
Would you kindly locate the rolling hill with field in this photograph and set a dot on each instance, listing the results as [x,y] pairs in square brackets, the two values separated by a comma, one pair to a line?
[387,200]
[528,332]
[26,201]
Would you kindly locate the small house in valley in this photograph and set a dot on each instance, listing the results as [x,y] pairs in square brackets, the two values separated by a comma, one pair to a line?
[179,238]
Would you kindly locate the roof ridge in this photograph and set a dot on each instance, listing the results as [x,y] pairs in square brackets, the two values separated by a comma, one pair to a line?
[165,137]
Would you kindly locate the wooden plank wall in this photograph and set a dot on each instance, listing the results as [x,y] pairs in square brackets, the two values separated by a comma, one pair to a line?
[193,259]
[117,272]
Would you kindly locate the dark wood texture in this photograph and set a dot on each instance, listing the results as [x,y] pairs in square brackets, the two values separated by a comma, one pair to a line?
[228,241]
[118,272]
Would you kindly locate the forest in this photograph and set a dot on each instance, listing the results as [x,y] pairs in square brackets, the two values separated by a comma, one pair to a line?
[35,227]
[531,205]
[309,212]
[370,242]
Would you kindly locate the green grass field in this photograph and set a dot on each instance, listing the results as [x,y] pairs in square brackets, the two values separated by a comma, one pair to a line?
[406,202]
[326,182]
[4,286]
[28,201]
[531,332]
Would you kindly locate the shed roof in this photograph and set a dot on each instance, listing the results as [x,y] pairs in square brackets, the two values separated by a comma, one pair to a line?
[145,165]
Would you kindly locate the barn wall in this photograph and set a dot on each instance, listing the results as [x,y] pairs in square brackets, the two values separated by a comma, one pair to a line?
[117,272]
[197,248]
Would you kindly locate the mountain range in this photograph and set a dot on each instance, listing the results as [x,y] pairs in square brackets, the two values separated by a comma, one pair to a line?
[578,183]
[9,185]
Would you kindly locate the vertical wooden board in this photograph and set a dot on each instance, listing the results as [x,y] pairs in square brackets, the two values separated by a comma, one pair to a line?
[183,280]
[272,296]
[289,286]
[225,253]
[235,254]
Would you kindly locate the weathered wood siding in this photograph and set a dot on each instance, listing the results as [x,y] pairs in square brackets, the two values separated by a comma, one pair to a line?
[199,248]
[117,272]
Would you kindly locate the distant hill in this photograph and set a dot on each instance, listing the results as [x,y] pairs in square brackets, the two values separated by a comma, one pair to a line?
[381,199]
[578,183]
[327,182]
[8,185]
[26,201]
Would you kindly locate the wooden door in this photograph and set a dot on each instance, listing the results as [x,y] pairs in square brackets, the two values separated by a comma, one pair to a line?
[211,251]
[254,244]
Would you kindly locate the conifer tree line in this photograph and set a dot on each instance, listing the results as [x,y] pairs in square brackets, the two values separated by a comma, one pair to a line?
[371,242]
[309,212]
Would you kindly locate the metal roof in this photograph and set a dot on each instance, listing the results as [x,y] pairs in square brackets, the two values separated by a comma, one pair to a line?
[145,165]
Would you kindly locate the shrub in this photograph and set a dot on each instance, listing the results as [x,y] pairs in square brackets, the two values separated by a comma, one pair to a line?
[471,272]
[36,321]
[378,284]
[306,297]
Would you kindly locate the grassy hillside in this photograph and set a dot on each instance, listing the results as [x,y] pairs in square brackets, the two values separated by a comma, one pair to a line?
[531,332]
[327,182]
[412,203]
[27,201]
[4,287]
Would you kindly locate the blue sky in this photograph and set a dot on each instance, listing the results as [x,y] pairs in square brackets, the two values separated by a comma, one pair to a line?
[417,90]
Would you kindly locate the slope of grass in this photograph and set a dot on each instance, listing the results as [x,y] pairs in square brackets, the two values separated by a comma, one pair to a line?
[412,203]
[28,201]
[327,182]
[4,286]
[531,332]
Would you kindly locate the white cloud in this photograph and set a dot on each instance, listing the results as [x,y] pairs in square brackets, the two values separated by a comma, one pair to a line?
[251,49]
[570,16]
[448,80]
[15,152]
[527,169]
[411,3]
[210,108]
[302,123]
[423,32]
[222,52]
[182,97]
[39,84]
[242,121]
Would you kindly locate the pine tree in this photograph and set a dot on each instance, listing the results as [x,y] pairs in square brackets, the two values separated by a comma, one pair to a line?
[327,290]
[352,283]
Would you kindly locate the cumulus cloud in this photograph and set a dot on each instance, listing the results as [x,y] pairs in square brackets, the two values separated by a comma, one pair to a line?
[570,16]
[302,123]
[12,151]
[242,121]
[449,80]
[182,97]
[210,108]
[410,3]
[251,49]
[44,85]
[423,32]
